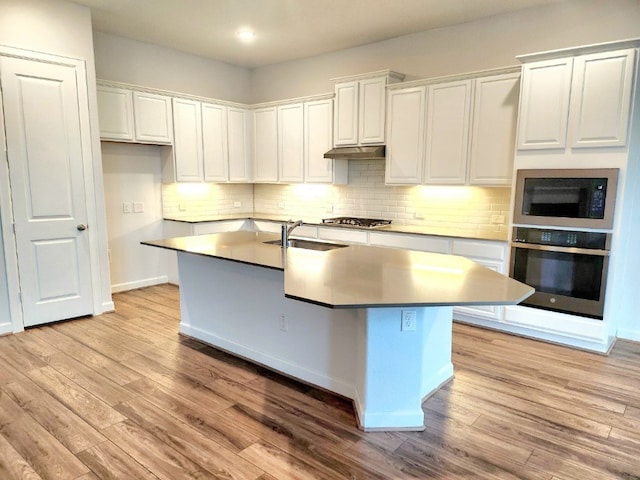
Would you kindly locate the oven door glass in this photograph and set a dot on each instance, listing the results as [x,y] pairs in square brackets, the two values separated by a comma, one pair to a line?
[558,273]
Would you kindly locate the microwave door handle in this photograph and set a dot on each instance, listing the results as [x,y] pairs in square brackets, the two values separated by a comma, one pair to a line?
[550,248]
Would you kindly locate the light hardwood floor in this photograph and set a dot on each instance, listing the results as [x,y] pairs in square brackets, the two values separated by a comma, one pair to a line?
[123,396]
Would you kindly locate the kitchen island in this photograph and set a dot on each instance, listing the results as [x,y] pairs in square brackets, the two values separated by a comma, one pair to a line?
[372,324]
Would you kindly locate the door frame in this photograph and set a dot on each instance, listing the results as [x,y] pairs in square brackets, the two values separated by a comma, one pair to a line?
[88,154]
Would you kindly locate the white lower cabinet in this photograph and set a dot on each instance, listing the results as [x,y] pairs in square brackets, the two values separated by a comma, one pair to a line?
[422,243]
[490,254]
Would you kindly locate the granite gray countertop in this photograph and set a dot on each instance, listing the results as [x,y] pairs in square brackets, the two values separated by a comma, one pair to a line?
[360,276]
[470,233]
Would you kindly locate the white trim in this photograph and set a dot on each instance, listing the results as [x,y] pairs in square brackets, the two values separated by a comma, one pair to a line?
[147,282]
[573,51]
[456,77]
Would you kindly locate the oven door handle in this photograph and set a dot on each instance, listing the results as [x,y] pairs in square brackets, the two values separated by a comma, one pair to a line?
[551,248]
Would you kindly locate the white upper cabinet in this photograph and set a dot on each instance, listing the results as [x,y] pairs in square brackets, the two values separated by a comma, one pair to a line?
[359,117]
[494,124]
[448,120]
[371,114]
[601,98]
[580,101]
[265,144]
[544,104]
[405,136]
[152,118]
[115,113]
[210,143]
[291,142]
[132,116]
[318,139]
[188,152]
[214,143]
[239,147]
[346,114]
[458,132]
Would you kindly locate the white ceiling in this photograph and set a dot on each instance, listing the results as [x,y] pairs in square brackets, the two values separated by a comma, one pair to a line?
[285,29]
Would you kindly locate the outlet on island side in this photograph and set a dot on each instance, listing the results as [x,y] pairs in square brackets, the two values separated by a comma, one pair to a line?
[408,322]
[283,323]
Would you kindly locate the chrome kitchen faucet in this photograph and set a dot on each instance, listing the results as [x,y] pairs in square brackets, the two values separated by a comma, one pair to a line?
[286,230]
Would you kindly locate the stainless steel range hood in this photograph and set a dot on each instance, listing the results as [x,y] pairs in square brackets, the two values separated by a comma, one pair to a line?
[354,153]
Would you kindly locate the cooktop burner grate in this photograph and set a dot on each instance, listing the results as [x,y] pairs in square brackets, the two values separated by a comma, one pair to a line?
[357,222]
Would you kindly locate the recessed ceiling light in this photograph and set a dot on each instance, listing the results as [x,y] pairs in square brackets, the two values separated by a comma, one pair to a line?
[246,35]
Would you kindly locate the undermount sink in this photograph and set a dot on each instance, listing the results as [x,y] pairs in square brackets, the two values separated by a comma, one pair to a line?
[308,244]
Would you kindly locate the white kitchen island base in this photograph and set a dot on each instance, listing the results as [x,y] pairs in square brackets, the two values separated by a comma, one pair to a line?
[360,353]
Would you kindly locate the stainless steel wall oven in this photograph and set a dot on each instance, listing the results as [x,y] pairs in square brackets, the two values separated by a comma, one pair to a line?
[567,268]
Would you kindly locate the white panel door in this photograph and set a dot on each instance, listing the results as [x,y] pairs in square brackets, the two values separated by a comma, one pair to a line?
[371,110]
[405,136]
[544,104]
[493,134]
[265,144]
[115,113]
[318,138]
[214,143]
[291,142]
[345,122]
[153,118]
[601,99]
[448,114]
[187,124]
[238,145]
[45,153]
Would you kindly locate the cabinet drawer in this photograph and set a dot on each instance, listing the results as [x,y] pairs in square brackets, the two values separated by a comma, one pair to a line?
[480,249]
[421,243]
[342,235]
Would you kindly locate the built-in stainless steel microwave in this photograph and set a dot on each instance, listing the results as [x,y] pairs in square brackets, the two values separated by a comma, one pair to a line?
[571,198]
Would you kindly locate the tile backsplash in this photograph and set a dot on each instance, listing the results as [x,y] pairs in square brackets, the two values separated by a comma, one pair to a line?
[366,195]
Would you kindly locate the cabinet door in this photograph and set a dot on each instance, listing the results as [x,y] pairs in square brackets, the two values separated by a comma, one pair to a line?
[371,111]
[318,140]
[291,142]
[153,118]
[214,143]
[238,138]
[448,133]
[265,144]
[493,132]
[405,136]
[187,124]
[544,104]
[601,99]
[115,113]
[492,312]
[346,114]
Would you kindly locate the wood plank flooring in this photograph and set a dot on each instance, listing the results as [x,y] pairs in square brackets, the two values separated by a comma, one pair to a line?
[123,396]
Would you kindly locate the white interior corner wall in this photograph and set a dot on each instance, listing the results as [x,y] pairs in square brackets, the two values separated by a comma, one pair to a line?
[64,28]
[129,61]
[5,318]
[487,43]
[133,176]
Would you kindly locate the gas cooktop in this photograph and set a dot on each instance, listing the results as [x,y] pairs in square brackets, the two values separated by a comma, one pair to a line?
[357,222]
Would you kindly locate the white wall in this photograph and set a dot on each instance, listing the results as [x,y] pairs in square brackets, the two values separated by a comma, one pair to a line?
[124,60]
[132,173]
[487,43]
[64,28]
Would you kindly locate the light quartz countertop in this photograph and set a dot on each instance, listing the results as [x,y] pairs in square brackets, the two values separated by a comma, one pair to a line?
[360,276]
[471,232]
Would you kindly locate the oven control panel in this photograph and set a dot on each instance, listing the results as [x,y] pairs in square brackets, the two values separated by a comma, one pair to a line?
[561,238]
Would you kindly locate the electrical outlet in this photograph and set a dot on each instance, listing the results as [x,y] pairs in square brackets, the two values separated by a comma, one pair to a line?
[126,207]
[282,205]
[283,323]
[138,207]
[182,207]
[237,204]
[408,323]
[497,218]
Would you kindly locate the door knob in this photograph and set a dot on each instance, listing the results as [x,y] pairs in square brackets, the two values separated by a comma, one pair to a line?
[81,227]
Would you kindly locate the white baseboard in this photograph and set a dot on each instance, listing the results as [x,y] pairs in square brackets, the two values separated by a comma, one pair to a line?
[147,282]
